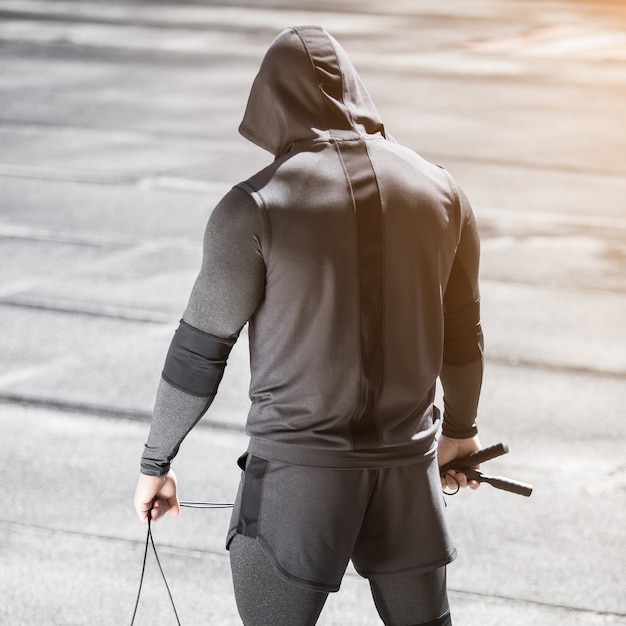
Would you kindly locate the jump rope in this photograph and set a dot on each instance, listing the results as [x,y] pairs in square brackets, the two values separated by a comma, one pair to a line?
[465,465]
[150,542]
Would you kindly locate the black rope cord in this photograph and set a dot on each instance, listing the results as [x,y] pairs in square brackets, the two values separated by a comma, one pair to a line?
[456,480]
[150,542]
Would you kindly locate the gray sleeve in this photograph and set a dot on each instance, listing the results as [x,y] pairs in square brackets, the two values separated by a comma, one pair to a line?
[461,375]
[226,293]
[231,282]
[175,414]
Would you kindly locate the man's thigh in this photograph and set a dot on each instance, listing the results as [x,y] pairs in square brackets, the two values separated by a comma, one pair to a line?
[262,597]
[412,599]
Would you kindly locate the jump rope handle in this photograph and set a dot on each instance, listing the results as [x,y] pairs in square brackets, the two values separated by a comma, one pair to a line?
[499,482]
[476,458]
[465,465]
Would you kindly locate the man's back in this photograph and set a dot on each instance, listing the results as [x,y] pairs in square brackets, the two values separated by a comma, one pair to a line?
[358,239]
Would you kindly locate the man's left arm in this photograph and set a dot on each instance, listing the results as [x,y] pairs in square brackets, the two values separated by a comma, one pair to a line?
[226,293]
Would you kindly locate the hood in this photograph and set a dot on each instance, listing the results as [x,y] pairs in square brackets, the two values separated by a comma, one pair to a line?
[306,88]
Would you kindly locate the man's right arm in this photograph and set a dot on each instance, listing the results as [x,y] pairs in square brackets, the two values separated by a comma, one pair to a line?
[462,369]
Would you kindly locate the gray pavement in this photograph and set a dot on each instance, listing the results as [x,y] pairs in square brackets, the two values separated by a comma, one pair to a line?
[118,135]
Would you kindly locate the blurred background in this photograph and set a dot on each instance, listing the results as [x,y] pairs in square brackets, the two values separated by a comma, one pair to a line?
[118,134]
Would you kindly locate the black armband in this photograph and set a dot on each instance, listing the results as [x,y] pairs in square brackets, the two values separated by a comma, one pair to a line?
[196,361]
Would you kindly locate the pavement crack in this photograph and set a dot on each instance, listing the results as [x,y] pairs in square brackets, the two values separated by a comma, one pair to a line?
[90,310]
[538,603]
[165,547]
[583,370]
[100,410]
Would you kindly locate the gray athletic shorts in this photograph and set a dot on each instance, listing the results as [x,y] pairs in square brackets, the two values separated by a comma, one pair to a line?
[311,521]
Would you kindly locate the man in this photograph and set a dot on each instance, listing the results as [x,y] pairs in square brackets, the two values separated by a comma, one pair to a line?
[355,264]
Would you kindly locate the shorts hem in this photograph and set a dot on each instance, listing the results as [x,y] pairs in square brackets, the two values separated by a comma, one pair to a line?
[418,569]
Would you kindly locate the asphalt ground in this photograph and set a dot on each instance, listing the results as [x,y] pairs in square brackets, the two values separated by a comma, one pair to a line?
[118,136]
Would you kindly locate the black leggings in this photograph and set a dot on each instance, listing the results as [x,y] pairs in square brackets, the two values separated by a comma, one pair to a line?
[265,599]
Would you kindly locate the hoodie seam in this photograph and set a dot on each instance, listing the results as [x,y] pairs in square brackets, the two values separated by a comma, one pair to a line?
[344,100]
[357,390]
[317,80]
[320,91]
[262,211]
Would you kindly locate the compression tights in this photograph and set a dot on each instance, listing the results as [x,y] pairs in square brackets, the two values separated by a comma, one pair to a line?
[265,599]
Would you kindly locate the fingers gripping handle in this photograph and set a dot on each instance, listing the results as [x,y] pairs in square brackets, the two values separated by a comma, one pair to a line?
[476,458]
[469,462]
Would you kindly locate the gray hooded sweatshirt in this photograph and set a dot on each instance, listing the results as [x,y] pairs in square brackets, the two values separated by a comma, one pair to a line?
[355,263]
